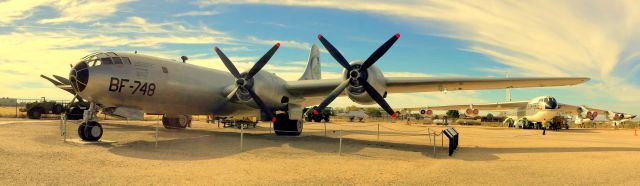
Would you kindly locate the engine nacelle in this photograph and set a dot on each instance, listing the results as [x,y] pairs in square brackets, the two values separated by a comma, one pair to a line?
[471,112]
[618,116]
[585,113]
[356,92]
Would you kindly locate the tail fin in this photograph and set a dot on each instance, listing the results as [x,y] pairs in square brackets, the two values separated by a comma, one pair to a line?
[313,67]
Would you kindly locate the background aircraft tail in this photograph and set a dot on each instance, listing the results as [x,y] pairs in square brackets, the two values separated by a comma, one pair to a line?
[313,67]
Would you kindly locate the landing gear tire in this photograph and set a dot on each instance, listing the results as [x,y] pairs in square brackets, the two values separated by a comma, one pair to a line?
[317,119]
[286,127]
[91,131]
[178,122]
[81,131]
[326,119]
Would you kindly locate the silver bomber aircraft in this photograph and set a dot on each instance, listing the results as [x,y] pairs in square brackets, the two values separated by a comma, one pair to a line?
[128,85]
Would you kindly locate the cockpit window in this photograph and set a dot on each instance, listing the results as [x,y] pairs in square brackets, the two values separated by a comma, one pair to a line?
[126,60]
[96,62]
[106,61]
[117,60]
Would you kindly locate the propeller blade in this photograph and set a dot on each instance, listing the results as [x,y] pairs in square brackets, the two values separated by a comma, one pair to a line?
[262,61]
[377,97]
[232,68]
[332,96]
[335,53]
[260,103]
[379,52]
[56,83]
[232,93]
[62,80]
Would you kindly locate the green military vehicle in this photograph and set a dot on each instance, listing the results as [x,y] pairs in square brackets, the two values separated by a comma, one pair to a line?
[324,115]
[36,109]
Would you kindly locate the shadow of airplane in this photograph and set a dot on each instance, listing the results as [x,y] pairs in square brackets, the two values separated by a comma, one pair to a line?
[204,144]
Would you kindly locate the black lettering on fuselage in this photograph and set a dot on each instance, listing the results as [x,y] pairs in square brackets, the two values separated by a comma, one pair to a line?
[122,84]
[113,86]
[146,88]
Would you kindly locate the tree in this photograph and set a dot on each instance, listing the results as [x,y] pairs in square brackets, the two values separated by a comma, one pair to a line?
[373,112]
[453,114]
[490,117]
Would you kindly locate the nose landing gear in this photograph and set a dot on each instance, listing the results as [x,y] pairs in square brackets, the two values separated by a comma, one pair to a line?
[89,129]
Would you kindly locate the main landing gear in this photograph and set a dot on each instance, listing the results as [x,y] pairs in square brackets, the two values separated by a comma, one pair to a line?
[89,129]
[286,127]
[176,122]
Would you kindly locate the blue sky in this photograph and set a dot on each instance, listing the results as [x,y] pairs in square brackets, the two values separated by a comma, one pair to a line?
[475,38]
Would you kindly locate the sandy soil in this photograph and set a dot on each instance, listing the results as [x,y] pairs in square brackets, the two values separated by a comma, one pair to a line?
[33,153]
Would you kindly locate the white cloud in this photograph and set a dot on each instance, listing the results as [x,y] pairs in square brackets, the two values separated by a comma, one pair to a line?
[197,13]
[12,10]
[82,11]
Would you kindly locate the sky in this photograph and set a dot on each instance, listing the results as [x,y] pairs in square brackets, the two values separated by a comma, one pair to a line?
[480,38]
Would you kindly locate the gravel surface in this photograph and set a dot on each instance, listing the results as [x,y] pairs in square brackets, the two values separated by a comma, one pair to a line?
[33,153]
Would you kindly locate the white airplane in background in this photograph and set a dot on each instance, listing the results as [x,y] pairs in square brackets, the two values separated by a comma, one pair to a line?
[617,119]
[538,112]
[129,85]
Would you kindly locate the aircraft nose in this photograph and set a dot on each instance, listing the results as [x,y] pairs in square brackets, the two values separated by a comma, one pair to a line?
[551,104]
[79,76]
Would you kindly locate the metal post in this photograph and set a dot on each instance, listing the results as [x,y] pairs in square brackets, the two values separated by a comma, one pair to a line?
[157,124]
[429,134]
[325,128]
[241,137]
[441,140]
[434,144]
[340,147]
[66,133]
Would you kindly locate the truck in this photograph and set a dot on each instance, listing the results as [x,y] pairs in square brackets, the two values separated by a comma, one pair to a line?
[36,109]
[323,115]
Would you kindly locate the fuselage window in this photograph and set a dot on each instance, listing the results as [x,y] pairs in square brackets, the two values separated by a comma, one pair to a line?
[126,60]
[106,61]
[117,60]
[165,70]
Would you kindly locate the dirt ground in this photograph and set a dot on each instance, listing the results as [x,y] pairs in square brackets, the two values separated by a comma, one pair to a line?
[33,152]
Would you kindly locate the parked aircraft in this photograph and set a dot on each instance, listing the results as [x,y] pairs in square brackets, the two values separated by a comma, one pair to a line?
[129,84]
[539,112]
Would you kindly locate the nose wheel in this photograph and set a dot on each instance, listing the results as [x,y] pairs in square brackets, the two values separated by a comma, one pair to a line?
[90,131]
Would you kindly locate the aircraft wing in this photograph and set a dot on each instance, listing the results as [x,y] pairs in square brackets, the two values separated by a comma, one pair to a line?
[569,109]
[322,87]
[484,107]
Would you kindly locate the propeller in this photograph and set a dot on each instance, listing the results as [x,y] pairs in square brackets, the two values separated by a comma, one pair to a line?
[357,74]
[244,81]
